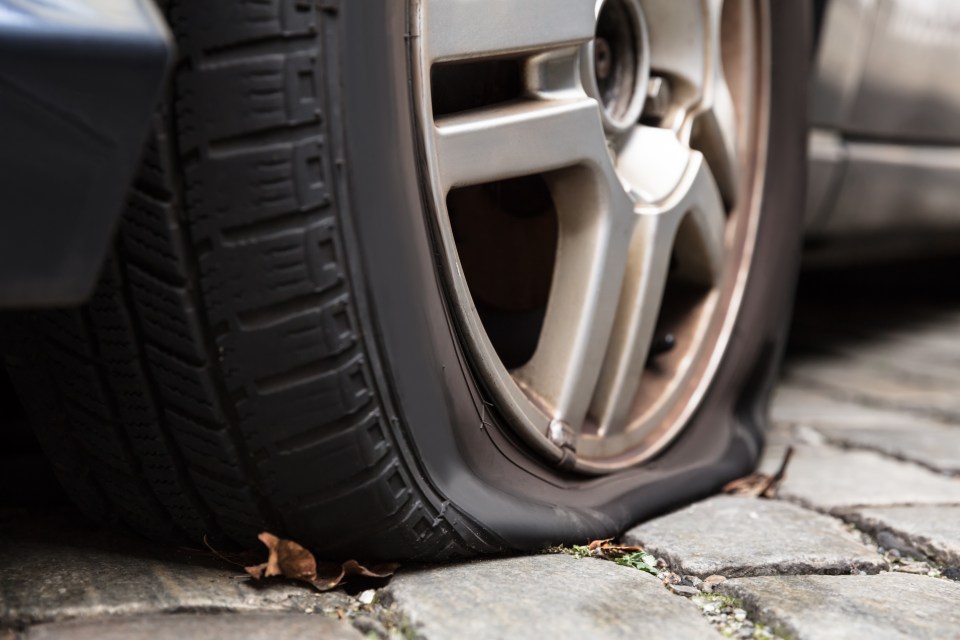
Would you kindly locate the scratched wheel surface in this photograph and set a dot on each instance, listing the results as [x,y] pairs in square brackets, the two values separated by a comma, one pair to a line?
[436,278]
[596,208]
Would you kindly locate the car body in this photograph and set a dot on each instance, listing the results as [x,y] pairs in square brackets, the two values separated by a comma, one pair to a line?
[885,129]
[884,173]
[79,82]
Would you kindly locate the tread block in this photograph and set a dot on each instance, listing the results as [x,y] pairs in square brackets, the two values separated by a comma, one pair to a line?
[311,337]
[249,96]
[376,498]
[167,315]
[279,269]
[148,236]
[236,190]
[36,390]
[250,20]
[78,381]
[185,385]
[64,327]
[204,446]
[299,406]
[154,169]
[329,458]
[135,410]
[217,383]
[96,436]
[234,504]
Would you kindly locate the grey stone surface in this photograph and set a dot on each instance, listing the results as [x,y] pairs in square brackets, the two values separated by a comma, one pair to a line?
[833,479]
[903,435]
[198,626]
[909,360]
[798,406]
[934,530]
[936,447]
[739,536]
[55,567]
[878,386]
[546,596]
[889,605]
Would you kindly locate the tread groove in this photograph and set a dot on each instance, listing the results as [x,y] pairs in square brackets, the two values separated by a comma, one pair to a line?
[220,371]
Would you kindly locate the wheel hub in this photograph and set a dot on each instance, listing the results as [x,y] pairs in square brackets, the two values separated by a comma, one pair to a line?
[616,63]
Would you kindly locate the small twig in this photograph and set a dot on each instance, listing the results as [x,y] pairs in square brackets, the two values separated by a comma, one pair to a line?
[218,554]
[774,481]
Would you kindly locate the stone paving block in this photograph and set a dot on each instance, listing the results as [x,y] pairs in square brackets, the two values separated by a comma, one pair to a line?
[885,606]
[831,479]
[878,386]
[56,567]
[903,355]
[739,536]
[198,626]
[545,596]
[933,530]
[936,447]
[793,405]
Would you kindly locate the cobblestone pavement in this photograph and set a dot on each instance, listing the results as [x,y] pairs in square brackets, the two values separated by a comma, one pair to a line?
[862,539]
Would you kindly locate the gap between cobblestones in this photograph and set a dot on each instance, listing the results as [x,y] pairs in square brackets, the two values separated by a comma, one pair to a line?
[871,536]
[376,615]
[734,617]
[849,518]
[845,444]
[917,562]
[851,521]
[728,615]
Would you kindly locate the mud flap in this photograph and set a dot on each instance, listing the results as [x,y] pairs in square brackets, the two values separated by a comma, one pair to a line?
[78,83]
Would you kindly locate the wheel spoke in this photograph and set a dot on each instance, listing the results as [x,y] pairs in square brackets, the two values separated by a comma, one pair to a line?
[700,246]
[459,29]
[703,104]
[521,139]
[689,225]
[653,162]
[591,260]
[639,218]
[562,139]
[716,119]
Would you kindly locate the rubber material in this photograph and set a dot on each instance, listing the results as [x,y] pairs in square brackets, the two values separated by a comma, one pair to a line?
[216,384]
[270,347]
[478,465]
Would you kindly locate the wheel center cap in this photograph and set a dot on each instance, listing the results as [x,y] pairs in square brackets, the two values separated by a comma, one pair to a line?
[615,65]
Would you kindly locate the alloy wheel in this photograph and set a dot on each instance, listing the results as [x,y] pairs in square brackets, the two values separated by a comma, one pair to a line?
[593,169]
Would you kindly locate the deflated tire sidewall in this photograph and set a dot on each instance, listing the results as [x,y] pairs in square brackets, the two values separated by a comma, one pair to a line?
[452,435]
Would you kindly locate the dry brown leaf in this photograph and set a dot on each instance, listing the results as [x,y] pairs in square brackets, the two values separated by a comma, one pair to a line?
[291,560]
[382,570]
[760,484]
[605,549]
[620,548]
[596,544]
[329,576]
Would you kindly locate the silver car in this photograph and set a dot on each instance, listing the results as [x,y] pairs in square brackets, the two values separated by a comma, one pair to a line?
[434,278]
[885,124]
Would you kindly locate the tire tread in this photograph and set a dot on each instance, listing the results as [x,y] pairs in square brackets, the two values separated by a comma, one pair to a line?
[218,378]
